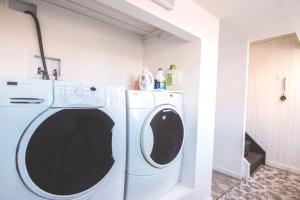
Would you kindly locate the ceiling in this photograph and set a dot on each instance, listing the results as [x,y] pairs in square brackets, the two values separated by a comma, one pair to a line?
[102,13]
[255,19]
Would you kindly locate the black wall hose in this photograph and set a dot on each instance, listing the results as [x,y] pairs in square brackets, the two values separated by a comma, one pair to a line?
[38,29]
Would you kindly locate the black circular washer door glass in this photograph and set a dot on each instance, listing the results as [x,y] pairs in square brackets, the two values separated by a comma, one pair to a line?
[168,133]
[71,151]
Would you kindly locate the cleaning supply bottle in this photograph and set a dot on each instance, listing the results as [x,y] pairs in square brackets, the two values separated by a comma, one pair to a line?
[173,80]
[146,80]
[160,81]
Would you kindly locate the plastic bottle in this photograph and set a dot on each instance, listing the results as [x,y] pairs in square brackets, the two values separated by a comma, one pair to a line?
[146,80]
[160,81]
[173,80]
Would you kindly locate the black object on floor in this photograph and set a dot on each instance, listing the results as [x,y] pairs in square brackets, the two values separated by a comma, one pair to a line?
[255,155]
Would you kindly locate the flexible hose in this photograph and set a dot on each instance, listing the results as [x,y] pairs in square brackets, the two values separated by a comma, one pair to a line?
[38,29]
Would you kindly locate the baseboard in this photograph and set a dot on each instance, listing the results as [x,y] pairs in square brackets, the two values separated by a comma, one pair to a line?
[283,166]
[227,172]
[246,169]
[180,191]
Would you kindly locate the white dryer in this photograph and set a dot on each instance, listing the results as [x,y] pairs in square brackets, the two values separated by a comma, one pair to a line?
[61,141]
[155,132]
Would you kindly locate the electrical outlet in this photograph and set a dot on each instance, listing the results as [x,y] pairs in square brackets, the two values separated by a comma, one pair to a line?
[53,66]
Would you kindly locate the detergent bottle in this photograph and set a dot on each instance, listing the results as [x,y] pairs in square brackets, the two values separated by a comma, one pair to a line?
[160,81]
[146,80]
[174,77]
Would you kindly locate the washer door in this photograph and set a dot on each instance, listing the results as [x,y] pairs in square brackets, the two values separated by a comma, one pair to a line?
[65,153]
[162,136]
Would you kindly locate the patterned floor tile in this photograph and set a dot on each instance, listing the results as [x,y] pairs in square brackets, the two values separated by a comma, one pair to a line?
[267,184]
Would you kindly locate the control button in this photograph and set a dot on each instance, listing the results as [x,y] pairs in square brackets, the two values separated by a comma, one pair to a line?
[93,89]
[79,92]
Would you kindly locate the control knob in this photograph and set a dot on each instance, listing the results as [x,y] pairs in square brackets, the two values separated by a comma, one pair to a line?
[79,92]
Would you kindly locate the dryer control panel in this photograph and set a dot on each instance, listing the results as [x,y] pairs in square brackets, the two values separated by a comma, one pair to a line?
[72,94]
[140,99]
[166,97]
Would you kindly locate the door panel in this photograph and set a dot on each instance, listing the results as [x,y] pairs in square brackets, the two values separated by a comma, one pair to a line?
[167,130]
[70,151]
[162,136]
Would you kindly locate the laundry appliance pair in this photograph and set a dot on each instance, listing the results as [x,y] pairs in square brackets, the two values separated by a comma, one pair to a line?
[67,141]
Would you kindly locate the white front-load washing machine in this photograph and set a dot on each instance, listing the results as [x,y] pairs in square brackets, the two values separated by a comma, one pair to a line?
[155,132]
[61,141]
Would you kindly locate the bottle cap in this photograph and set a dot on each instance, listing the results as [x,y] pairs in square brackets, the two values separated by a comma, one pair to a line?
[172,66]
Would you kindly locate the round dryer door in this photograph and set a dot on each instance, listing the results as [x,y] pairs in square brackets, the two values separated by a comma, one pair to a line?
[66,153]
[162,136]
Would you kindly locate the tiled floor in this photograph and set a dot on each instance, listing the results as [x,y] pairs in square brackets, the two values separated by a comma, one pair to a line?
[266,184]
[221,184]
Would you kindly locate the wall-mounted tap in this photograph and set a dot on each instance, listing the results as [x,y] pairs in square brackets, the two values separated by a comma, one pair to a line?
[55,74]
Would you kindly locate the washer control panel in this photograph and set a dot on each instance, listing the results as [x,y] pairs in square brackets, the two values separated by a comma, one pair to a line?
[115,96]
[71,94]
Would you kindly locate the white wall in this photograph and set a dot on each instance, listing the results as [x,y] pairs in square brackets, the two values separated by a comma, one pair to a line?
[173,51]
[232,90]
[190,21]
[272,123]
[90,51]
[229,137]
